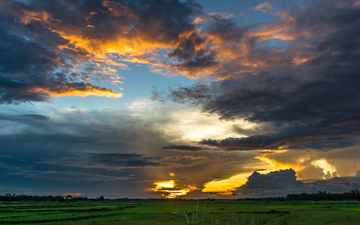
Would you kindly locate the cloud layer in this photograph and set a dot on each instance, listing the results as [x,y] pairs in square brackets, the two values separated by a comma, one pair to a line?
[307,90]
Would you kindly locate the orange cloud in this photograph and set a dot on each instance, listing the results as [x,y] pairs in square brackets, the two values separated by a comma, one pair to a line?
[276,165]
[27,16]
[73,194]
[169,189]
[226,186]
[328,169]
[140,103]
[117,9]
[67,90]
[277,30]
[264,7]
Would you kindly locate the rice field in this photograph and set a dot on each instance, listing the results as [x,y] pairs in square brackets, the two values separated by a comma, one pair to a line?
[204,212]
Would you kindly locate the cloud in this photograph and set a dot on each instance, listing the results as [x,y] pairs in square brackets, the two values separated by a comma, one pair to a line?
[277,183]
[34,117]
[61,175]
[312,164]
[183,148]
[171,190]
[336,184]
[140,103]
[123,160]
[283,182]
[109,139]
[196,94]
[307,93]
[12,123]
[249,143]
[77,111]
[323,136]
[179,161]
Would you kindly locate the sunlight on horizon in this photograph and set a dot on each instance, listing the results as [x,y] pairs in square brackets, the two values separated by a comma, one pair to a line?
[170,190]
[196,125]
[226,186]
[328,169]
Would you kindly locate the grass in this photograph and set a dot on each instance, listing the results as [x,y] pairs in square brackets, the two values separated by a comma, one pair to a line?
[244,212]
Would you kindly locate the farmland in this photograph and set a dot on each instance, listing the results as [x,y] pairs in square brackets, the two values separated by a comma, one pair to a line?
[181,212]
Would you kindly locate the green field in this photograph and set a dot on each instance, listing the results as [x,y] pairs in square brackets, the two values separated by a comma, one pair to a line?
[182,212]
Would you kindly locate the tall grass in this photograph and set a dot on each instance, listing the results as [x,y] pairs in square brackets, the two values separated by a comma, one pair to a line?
[208,219]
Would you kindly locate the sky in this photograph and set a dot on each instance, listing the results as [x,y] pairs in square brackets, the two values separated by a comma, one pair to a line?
[179,98]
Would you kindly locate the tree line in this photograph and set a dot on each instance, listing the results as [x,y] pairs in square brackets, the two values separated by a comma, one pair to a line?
[47,198]
[321,195]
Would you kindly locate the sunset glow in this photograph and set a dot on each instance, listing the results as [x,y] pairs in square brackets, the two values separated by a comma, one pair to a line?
[170,190]
[226,186]
[328,169]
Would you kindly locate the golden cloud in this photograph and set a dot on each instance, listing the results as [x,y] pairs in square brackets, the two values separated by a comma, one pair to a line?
[66,90]
[170,190]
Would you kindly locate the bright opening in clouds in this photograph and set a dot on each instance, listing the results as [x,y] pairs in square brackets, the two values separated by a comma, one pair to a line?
[328,169]
[226,186]
[192,125]
[170,190]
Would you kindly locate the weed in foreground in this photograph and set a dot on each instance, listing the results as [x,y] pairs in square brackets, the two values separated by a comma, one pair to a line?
[208,219]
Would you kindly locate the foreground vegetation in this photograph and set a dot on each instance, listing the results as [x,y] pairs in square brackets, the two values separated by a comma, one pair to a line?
[211,211]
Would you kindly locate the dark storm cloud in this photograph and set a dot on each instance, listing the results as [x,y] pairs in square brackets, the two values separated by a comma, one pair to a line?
[283,182]
[201,52]
[108,139]
[324,135]
[68,153]
[160,20]
[126,160]
[270,184]
[336,184]
[186,49]
[62,175]
[196,94]
[250,143]
[200,61]
[103,148]
[312,103]
[192,60]
[183,148]
[225,29]
[69,134]
[35,117]
[17,118]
